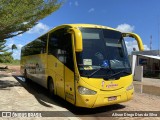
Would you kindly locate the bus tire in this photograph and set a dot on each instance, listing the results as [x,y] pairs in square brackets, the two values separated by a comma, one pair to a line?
[25,76]
[51,87]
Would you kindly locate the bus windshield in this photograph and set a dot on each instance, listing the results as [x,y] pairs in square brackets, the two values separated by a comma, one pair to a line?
[105,49]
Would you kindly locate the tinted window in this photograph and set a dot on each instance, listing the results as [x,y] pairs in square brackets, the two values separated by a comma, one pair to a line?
[102,48]
[60,45]
[37,46]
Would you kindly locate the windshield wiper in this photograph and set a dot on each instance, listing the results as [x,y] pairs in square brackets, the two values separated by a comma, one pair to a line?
[123,71]
[102,68]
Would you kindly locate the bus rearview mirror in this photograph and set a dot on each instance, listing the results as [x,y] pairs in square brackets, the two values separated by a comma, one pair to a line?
[138,39]
[77,37]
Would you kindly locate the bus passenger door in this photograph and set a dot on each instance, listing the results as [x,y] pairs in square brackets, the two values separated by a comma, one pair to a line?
[60,46]
[56,58]
[69,86]
[69,70]
[60,80]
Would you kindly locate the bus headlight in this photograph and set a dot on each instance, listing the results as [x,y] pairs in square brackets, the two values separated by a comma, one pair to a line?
[130,87]
[86,91]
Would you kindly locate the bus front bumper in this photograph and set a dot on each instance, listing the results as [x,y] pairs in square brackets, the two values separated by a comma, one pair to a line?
[103,98]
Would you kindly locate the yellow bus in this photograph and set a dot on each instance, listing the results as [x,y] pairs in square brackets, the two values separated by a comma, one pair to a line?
[85,64]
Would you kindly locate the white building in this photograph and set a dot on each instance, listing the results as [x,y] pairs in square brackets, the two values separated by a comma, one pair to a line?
[146,63]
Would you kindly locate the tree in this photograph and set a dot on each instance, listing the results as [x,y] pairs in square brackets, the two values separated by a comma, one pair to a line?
[5,56]
[14,47]
[18,16]
[2,46]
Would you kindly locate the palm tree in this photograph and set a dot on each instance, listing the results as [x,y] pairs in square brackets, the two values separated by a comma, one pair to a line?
[14,47]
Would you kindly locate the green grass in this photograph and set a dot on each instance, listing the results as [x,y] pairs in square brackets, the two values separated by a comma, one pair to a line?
[15,62]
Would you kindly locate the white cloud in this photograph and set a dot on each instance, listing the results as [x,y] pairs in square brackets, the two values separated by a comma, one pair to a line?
[40,28]
[9,43]
[125,28]
[70,3]
[20,35]
[76,3]
[130,42]
[25,23]
[91,10]
[146,47]
[16,54]
[19,46]
[133,44]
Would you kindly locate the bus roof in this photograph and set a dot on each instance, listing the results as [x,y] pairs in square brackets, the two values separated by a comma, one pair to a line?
[77,26]
[83,25]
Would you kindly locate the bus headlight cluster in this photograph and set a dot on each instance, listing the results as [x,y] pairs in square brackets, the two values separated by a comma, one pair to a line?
[130,87]
[86,91]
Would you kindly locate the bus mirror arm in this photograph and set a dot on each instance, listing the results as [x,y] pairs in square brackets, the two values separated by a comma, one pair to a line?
[138,39]
[77,37]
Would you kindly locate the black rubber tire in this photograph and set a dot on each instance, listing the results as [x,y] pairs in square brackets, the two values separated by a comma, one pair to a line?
[51,87]
[25,76]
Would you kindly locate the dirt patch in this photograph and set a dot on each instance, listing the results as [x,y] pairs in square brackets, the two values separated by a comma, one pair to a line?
[7,71]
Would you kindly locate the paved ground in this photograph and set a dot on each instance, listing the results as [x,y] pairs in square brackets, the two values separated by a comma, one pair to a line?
[149,81]
[146,98]
[16,95]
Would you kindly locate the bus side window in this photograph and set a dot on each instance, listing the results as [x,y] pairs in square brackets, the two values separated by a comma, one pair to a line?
[43,44]
[60,45]
[37,46]
[69,51]
[53,44]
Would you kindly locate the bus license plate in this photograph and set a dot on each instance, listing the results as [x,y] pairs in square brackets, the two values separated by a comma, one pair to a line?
[112,98]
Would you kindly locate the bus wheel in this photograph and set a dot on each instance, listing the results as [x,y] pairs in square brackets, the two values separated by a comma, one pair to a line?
[25,76]
[51,87]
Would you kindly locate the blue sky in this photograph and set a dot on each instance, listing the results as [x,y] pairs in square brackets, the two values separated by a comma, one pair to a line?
[139,16]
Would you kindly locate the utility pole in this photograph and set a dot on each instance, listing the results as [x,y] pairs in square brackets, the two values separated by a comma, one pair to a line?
[158,37]
[151,42]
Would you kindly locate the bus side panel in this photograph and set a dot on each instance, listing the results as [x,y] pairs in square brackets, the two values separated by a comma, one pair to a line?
[56,71]
[36,66]
[69,86]
[51,72]
[85,100]
[41,68]
[22,65]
